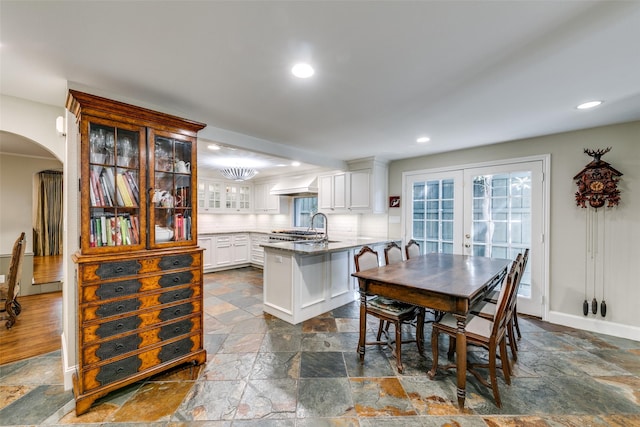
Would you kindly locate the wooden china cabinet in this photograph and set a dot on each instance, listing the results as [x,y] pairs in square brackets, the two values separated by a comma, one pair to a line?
[139,269]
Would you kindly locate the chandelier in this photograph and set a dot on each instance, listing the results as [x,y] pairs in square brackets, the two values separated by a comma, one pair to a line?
[238,173]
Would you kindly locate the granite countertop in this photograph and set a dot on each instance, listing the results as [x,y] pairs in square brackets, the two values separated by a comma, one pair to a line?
[312,248]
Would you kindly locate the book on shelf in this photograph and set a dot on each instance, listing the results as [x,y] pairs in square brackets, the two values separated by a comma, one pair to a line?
[135,227]
[181,227]
[108,200]
[133,185]
[92,234]
[124,192]
[108,229]
[94,181]
[116,237]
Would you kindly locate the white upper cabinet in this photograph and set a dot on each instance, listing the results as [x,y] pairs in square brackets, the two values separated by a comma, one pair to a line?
[209,195]
[265,202]
[218,196]
[361,190]
[333,192]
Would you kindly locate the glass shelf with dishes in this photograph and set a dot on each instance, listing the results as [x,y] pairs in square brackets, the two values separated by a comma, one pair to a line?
[172,202]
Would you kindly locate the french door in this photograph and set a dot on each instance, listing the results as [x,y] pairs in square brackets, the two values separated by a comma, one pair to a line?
[492,210]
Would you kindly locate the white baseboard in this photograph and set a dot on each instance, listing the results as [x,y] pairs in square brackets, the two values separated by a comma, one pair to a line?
[601,326]
[67,371]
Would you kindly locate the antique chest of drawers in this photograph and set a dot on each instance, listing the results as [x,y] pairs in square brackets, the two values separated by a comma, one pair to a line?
[138,314]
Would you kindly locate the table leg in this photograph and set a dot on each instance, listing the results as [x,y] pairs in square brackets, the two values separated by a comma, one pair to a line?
[461,359]
[363,325]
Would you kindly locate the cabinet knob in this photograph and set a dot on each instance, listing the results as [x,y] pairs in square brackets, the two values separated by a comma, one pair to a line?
[119,288]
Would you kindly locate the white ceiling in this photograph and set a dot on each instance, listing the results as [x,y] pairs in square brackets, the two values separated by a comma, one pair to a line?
[464,73]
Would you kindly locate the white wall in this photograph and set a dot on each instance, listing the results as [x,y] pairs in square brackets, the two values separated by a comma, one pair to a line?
[567,238]
[16,205]
[34,121]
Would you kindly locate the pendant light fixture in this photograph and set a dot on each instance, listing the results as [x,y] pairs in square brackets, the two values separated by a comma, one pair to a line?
[238,173]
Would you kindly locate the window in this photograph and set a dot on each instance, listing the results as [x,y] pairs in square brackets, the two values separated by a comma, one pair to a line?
[303,210]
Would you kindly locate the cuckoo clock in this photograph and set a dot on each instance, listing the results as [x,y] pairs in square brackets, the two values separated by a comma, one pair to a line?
[597,182]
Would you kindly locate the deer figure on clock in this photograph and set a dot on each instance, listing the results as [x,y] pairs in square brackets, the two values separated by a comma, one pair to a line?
[597,186]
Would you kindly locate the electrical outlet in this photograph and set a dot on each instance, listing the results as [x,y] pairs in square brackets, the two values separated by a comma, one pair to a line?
[1,278]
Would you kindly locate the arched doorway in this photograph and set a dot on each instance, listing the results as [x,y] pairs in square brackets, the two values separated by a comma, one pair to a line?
[21,159]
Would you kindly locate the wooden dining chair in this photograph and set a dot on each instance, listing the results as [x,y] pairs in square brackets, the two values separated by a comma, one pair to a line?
[490,334]
[412,249]
[392,253]
[388,310]
[487,309]
[10,290]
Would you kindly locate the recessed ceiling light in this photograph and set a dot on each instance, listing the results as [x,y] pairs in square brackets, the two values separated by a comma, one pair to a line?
[213,147]
[588,105]
[295,163]
[302,70]
[423,139]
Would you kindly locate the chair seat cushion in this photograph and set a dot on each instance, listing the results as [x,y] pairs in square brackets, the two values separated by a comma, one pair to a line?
[492,296]
[484,308]
[475,325]
[390,306]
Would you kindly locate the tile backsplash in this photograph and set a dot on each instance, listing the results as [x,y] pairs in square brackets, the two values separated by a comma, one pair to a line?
[340,226]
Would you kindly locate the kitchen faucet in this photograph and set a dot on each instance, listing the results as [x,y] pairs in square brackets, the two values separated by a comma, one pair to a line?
[326,225]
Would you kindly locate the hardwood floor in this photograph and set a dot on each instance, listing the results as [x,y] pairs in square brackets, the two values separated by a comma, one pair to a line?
[36,331]
[47,269]
[39,326]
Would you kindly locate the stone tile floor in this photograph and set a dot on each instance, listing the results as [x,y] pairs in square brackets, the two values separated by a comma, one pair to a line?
[261,371]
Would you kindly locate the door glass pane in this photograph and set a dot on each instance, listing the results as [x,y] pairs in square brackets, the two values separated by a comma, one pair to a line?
[501,226]
[432,225]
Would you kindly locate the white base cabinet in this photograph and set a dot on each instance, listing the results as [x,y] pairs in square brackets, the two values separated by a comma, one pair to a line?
[206,243]
[257,251]
[224,251]
[231,250]
[298,287]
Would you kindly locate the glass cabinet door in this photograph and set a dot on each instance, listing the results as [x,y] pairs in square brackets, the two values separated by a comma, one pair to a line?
[112,219]
[214,191]
[171,208]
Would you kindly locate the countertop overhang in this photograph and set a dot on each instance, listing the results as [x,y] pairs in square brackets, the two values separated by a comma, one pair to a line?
[314,248]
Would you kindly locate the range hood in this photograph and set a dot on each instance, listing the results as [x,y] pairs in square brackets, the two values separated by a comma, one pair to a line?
[296,186]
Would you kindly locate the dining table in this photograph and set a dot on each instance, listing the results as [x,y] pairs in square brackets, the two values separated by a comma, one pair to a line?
[444,282]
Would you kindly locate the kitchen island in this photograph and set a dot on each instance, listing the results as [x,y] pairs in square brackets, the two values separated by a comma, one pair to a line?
[302,280]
